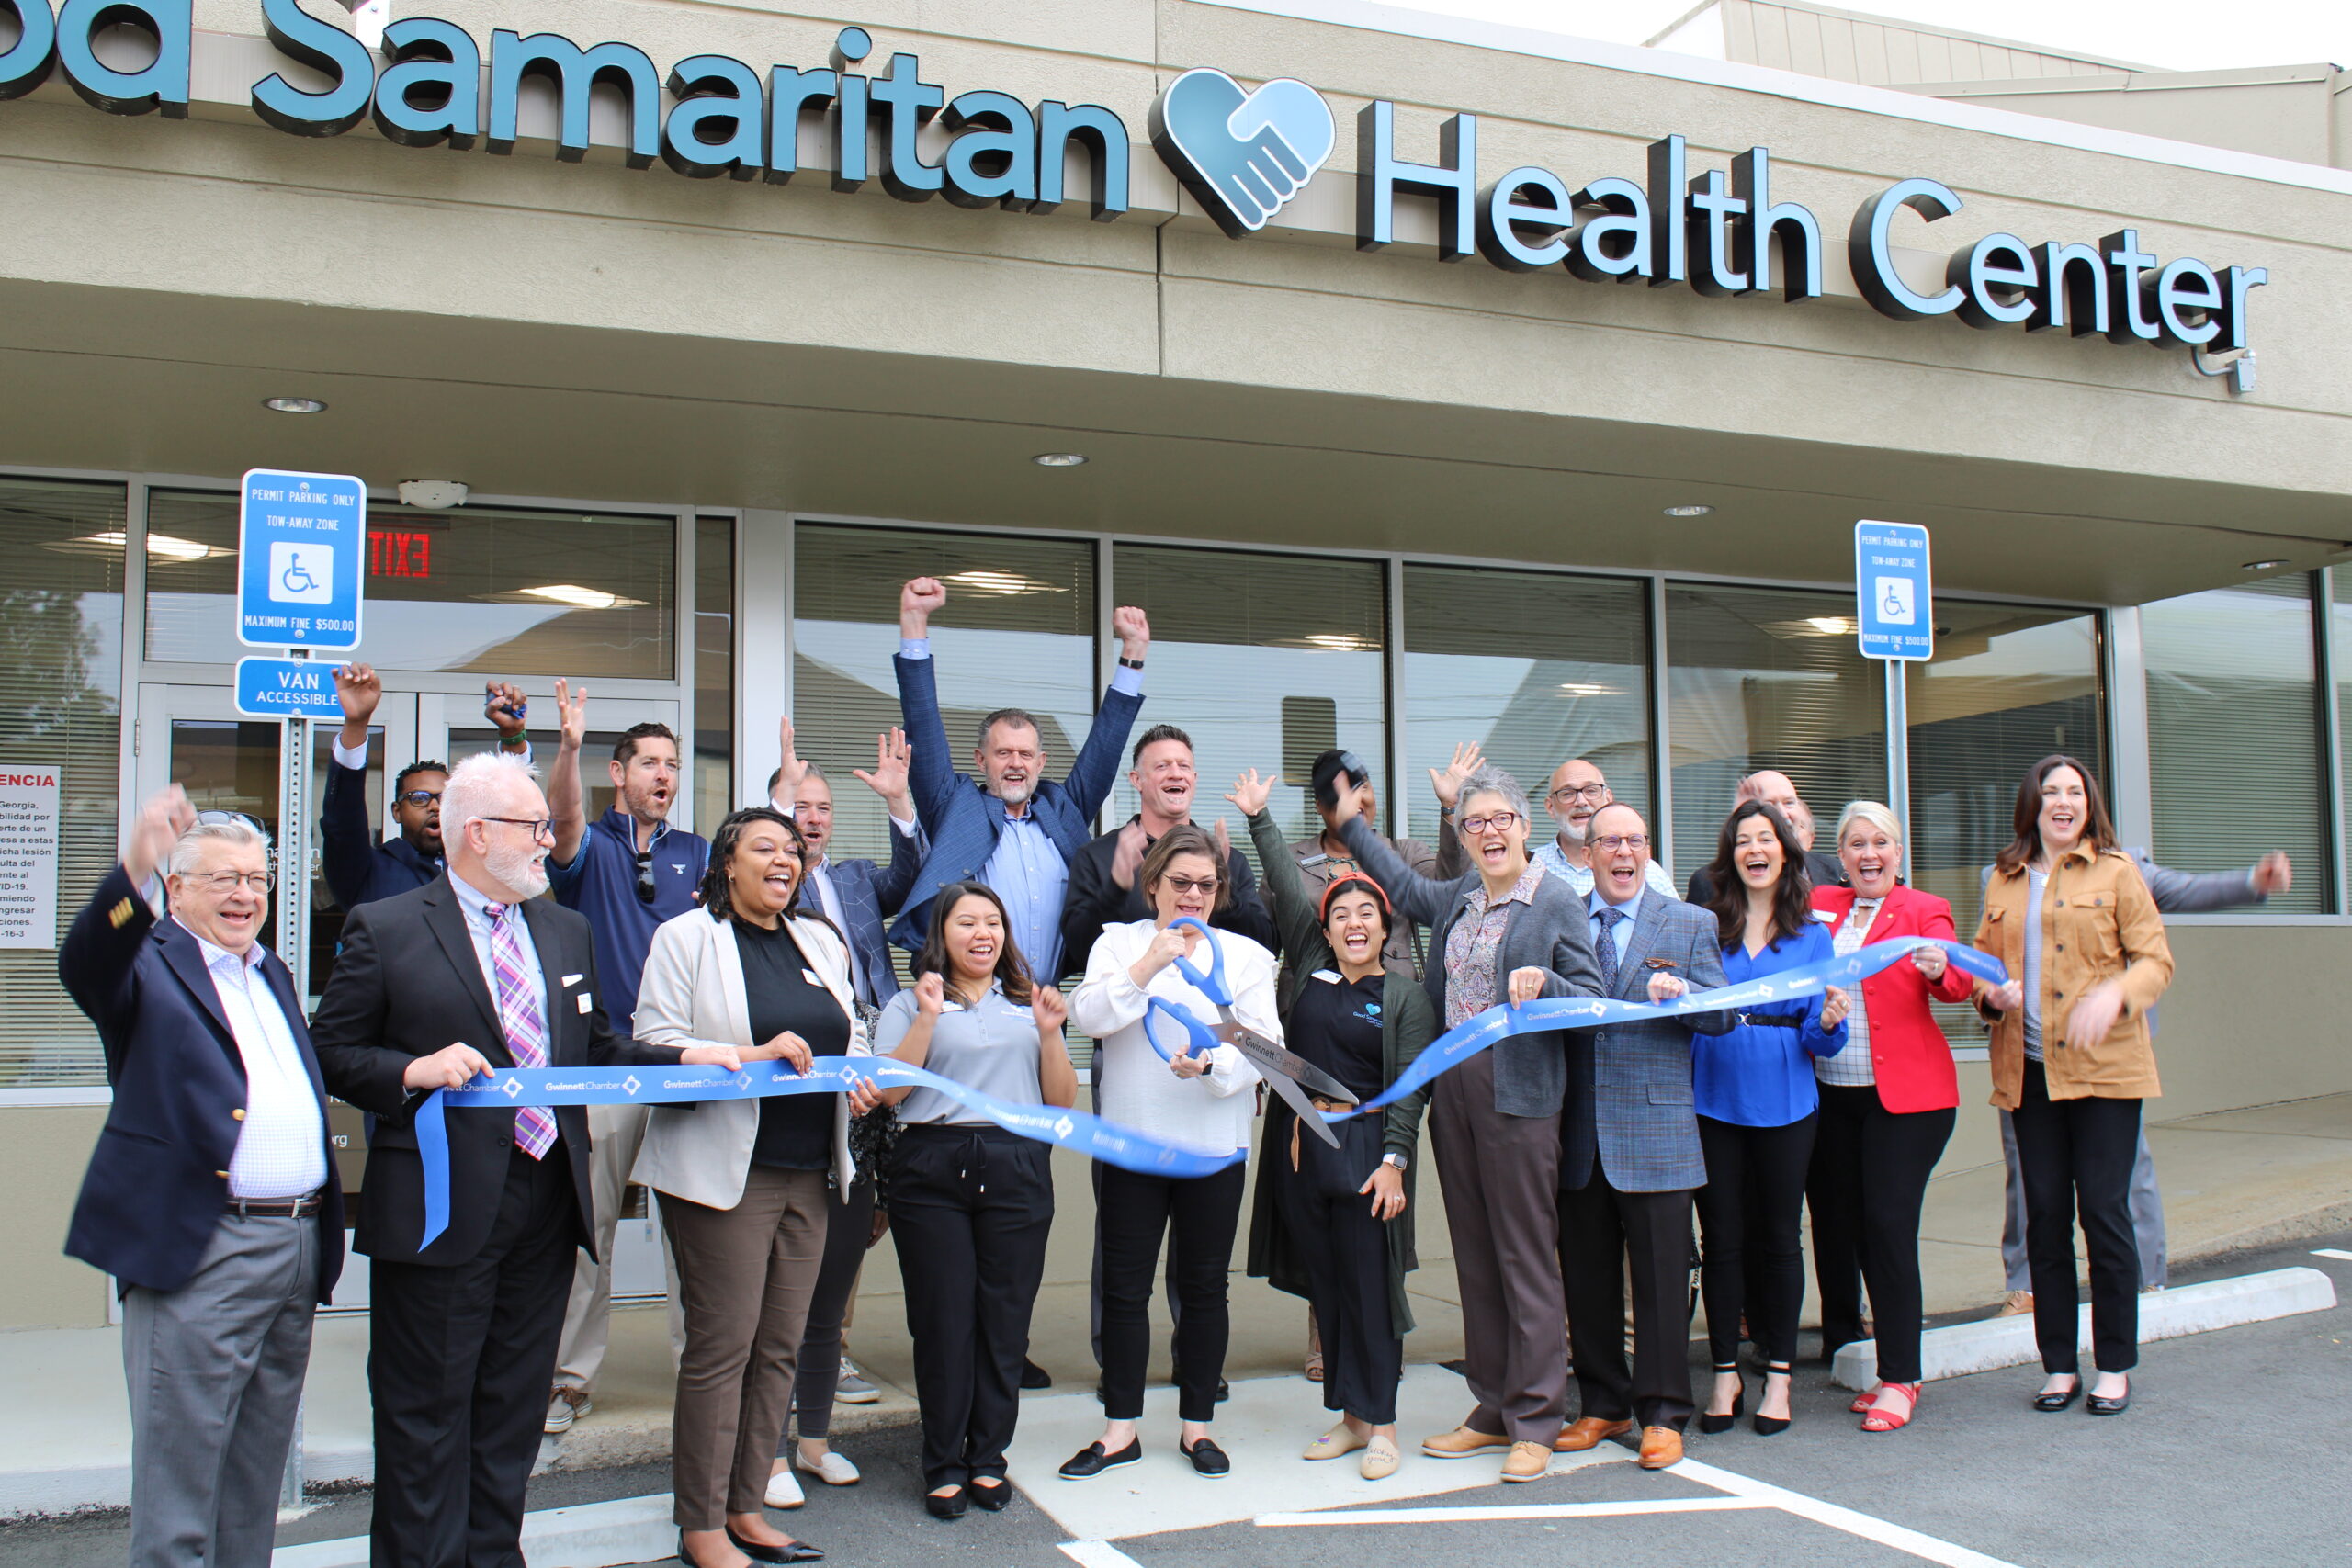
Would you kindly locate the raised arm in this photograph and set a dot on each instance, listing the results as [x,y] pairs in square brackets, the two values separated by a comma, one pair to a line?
[930,774]
[1415,897]
[347,848]
[1097,768]
[1294,911]
[567,801]
[2199,893]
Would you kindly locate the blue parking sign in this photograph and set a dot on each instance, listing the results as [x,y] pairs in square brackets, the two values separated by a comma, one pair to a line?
[289,688]
[1894,597]
[301,539]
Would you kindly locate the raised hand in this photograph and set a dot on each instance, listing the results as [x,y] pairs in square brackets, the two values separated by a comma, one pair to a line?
[794,770]
[503,705]
[1132,629]
[892,758]
[1126,855]
[452,1066]
[2273,872]
[920,598]
[358,689]
[1048,1007]
[572,714]
[1250,792]
[930,994]
[1447,781]
[158,827]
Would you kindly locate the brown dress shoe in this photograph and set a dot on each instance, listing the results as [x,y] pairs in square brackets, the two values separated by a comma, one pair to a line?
[1589,1433]
[1461,1442]
[1661,1446]
[1528,1461]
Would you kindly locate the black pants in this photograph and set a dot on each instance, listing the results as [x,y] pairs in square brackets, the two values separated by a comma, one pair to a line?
[1869,1180]
[460,1359]
[1345,1253]
[1199,1216]
[2076,1154]
[1752,1210]
[1600,1230]
[849,1226]
[970,1209]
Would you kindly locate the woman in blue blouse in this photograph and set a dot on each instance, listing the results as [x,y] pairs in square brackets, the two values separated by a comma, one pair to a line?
[1757,1106]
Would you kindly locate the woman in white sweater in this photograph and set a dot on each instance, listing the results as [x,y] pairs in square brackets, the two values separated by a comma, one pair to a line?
[1202,1102]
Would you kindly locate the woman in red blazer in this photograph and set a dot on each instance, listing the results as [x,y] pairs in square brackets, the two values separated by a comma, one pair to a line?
[1887,1106]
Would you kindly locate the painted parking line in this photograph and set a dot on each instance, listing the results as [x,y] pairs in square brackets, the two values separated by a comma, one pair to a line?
[1097,1555]
[2335,1252]
[1847,1519]
[1531,1511]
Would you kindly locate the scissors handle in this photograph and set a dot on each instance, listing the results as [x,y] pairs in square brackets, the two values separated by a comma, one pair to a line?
[1211,985]
[1200,1036]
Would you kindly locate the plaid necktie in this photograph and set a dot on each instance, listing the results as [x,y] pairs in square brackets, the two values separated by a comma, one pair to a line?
[526,1035]
[1604,946]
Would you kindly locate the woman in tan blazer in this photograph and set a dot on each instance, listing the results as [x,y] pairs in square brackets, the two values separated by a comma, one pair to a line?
[744,1182]
[2066,912]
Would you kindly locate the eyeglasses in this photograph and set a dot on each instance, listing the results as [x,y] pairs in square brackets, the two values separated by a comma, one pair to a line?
[216,817]
[418,797]
[1501,822]
[542,828]
[1594,792]
[227,882]
[1187,885]
[1609,843]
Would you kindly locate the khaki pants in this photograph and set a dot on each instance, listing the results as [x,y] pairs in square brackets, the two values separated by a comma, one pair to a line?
[616,1133]
[746,1275]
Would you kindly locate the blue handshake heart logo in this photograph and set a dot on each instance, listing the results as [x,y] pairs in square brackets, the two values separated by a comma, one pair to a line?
[1243,156]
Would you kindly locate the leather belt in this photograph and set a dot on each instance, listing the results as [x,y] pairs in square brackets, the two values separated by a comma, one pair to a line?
[278,1208]
[1323,1104]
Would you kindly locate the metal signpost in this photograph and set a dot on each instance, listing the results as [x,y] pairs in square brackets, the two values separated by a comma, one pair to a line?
[302,544]
[1895,618]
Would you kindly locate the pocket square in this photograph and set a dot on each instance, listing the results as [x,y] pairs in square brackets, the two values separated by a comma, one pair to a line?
[573,979]
[1661,963]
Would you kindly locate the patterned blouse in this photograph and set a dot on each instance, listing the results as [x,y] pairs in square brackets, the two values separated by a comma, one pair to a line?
[1850,1069]
[1474,948]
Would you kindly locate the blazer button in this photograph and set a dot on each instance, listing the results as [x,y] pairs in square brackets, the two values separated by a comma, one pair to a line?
[238,1114]
[221,1174]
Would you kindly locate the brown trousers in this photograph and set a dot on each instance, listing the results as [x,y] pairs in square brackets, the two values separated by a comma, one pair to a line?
[746,1275]
[1501,1177]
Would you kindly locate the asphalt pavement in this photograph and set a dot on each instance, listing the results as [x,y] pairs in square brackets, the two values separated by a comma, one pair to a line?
[2238,1448]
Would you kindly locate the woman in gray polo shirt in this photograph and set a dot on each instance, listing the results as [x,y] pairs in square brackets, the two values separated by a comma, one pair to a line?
[971,1203]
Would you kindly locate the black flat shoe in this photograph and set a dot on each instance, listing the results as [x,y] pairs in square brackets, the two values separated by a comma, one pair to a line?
[2098,1405]
[759,1551]
[991,1497]
[1206,1457]
[948,1507]
[2050,1404]
[1092,1460]
[1034,1376]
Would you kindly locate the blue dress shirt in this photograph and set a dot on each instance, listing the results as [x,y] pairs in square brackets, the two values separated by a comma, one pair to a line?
[1760,1074]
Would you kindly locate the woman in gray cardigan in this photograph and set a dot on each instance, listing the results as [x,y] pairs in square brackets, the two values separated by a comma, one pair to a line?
[1503,932]
[1336,1226]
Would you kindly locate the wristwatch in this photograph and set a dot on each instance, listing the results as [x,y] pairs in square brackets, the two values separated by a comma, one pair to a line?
[1127,663]
[1393,1157]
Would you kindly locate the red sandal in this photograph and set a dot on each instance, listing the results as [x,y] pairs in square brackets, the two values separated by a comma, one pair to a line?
[1864,1400]
[1880,1419]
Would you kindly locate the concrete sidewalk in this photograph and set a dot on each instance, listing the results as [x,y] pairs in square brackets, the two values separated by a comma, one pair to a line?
[2231,1179]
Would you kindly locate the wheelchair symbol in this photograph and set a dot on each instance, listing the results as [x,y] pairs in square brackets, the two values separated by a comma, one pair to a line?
[1898,602]
[301,573]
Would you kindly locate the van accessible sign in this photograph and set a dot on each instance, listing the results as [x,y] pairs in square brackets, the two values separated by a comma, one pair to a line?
[1244,154]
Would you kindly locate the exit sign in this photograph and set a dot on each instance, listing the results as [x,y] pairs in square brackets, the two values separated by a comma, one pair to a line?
[399,552]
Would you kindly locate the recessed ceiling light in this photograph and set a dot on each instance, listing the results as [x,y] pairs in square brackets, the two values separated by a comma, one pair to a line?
[161,547]
[1829,625]
[2264,565]
[1058,459]
[1590,689]
[1687,511]
[294,405]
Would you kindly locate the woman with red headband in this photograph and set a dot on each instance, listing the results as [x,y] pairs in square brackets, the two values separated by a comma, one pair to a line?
[1335,1225]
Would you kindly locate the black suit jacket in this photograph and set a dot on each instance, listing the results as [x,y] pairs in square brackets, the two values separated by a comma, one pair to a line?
[158,1182]
[406,985]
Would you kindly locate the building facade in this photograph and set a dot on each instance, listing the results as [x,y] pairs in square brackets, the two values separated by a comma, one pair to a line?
[1537,412]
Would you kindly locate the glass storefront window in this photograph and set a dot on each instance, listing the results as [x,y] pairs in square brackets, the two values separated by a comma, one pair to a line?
[1538,670]
[713,747]
[486,589]
[60,626]
[1265,661]
[1768,678]
[2233,743]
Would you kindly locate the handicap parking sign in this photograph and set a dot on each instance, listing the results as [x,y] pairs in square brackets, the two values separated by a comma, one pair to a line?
[1894,595]
[300,541]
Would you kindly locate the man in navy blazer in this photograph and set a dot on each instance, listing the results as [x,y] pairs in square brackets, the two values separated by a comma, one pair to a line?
[1629,1151]
[211,1197]
[1010,827]
[858,895]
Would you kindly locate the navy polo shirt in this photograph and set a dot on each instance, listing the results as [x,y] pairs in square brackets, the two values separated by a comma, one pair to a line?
[601,882]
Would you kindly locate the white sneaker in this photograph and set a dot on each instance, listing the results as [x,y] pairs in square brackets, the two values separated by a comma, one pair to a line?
[833,1470]
[784,1492]
[565,1406]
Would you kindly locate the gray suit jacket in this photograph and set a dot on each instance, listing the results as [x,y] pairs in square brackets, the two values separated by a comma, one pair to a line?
[1630,1099]
[1550,933]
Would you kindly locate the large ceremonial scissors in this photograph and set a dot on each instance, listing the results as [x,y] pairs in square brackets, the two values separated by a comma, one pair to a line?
[1293,1075]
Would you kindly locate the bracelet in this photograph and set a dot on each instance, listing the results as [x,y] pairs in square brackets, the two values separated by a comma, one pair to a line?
[521,736]
[1127,663]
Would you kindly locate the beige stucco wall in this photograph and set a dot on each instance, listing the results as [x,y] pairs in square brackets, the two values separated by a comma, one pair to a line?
[42,1154]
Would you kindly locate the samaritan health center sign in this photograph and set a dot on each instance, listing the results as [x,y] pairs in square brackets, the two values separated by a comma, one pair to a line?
[1242,152]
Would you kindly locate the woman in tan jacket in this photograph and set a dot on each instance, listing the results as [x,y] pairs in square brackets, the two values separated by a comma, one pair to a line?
[2066,912]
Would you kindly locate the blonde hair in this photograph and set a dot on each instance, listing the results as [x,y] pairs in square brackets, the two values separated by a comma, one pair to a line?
[1872,812]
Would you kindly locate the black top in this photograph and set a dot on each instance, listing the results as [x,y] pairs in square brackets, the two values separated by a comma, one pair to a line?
[783,993]
[1337,1027]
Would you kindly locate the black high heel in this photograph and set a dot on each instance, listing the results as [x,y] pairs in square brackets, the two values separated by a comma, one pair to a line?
[1716,1426]
[1767,1425]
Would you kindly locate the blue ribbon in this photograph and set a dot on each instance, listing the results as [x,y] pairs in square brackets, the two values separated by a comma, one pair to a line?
[513,1087]
[1466,1039]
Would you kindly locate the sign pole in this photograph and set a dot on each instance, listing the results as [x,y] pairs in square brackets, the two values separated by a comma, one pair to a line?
[1898,750]
[1894,619]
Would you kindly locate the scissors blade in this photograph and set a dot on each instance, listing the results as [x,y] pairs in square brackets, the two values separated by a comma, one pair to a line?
[1292,1075]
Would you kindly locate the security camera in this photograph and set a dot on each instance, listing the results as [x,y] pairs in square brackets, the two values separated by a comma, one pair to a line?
[433,495]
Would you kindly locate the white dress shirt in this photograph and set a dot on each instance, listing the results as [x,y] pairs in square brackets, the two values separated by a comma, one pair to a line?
[282,1143]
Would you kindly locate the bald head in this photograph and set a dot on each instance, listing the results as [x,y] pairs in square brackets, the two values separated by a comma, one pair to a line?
[1618,852]
[1780,791]
[1576,791]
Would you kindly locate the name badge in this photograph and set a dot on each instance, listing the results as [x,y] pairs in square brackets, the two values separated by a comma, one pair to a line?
[1824,917]
[1328,977]
[583,1001]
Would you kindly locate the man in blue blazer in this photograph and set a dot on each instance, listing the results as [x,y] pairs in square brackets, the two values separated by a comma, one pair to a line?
[1010,827]
[858,895]
[211,1197]
[1629,1151]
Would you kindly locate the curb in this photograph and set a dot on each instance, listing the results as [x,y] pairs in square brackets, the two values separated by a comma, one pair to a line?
[2166,1315]
[594,1535]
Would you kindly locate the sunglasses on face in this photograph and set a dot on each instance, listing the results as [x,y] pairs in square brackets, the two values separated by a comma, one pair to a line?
[645,888]
[1187,885]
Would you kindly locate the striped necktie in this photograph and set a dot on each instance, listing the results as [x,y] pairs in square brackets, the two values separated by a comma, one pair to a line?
[526,1035]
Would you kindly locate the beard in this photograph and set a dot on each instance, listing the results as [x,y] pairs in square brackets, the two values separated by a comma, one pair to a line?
[1016,793]
[523,870]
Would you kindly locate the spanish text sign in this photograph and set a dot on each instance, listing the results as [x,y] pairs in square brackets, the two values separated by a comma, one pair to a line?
[1893,591]
[28,850]
[299,540]
[288,688]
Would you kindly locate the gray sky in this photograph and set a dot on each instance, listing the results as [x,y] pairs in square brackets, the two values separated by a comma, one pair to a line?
[2178,35]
